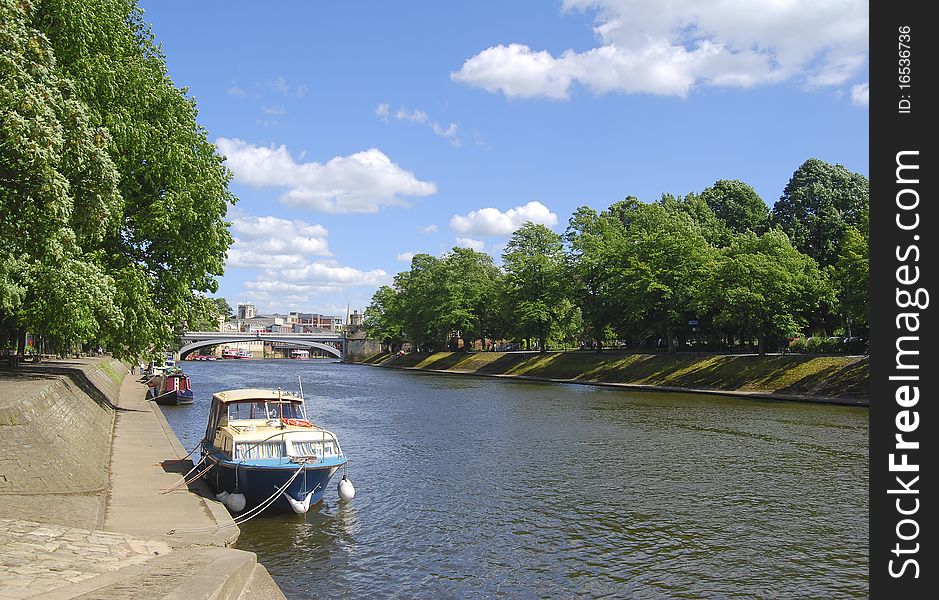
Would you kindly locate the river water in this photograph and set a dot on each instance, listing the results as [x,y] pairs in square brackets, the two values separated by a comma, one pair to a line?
[478,487]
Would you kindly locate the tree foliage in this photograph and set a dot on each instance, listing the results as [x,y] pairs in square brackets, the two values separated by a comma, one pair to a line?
[818,204]
[107,182]
[535,282]
[762,286]
[703,268]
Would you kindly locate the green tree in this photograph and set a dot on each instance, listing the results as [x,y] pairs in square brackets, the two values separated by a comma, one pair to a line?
[534,265]
[383,319]
[469,283]
[668,261]
[419,291]
[715,231]
[762,286]
[819,203]
[851,277]
[58,194]
[594,264]
[172,239]
[737,206]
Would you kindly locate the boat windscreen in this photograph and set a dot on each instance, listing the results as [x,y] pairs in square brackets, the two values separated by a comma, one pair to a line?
[262,410]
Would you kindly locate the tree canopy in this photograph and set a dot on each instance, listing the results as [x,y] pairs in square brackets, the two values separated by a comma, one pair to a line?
[108,184]
[818,204]
[704,269]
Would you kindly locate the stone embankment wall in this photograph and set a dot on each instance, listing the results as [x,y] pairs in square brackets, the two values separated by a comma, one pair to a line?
[841,379]
[358,348]
[55,427]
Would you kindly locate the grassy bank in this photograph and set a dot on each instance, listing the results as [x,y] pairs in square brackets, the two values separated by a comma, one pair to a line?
[791,375]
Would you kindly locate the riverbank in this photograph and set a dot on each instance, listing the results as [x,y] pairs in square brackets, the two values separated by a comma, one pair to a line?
[832,379]
[82,509]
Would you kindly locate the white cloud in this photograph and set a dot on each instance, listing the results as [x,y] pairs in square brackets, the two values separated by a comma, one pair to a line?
[860,94]
[416,115]
[448,133]
[236,91]
[319,273]
[492,221]
[429,229]
[361,182]
[405,257]
[273,243]
[271,234]
[465,242]
[240,258]
[274,110]
[282,86]
[669,48]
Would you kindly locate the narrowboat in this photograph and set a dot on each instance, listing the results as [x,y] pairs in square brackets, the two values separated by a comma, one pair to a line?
[172,386]
[261,449]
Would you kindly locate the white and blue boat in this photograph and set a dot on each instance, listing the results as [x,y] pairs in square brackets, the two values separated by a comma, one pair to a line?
[259,445]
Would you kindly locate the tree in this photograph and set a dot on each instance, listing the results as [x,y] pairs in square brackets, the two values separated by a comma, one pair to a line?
[223,308]
[819,203]
[534,265]
[668,262]
[851,277]
[596,248]
[419,291]
[737,206]
[715,231]
[383,319]
[762,286]
[172,239]
[469,283]
[58,194]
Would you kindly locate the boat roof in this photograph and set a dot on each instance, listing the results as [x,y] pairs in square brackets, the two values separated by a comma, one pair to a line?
[255,394]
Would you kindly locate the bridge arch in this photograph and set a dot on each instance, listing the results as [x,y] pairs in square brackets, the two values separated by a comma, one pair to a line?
[188,348]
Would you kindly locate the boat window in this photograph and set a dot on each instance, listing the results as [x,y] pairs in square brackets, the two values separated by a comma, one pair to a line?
[307,448]
[263,410]
[250,410]
[266,449]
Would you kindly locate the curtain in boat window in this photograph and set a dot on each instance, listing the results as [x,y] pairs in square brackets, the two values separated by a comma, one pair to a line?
[255,450]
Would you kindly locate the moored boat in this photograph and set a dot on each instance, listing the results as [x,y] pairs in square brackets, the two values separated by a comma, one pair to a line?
[172,386]
[235,353]
[260,445]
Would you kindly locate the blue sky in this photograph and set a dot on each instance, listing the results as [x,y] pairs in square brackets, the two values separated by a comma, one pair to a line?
[361,133]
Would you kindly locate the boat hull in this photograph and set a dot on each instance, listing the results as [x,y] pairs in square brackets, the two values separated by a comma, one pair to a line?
[174,398]
[258,483]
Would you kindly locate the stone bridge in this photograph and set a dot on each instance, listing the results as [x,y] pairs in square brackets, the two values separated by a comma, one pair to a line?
[325,340]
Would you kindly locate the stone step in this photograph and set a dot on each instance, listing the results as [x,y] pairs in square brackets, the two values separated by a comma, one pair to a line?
[184,574]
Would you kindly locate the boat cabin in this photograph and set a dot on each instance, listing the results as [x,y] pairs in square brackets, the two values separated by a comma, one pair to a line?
[264,426]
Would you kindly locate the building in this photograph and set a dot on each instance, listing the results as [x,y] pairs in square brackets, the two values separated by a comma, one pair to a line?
[246,311]
[301,322]
[356,319]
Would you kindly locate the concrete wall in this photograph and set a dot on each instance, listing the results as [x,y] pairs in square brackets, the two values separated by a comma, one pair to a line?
[358,348]
[55,427]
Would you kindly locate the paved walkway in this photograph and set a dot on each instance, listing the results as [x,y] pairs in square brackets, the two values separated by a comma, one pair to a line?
[37,558]
[143,452]
[148,544]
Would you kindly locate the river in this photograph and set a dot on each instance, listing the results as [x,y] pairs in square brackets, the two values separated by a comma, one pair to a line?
[478,487]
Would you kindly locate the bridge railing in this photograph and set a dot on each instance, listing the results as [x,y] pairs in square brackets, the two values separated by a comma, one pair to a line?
[254,334]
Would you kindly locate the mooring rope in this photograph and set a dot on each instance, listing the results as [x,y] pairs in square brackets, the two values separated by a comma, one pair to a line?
[188,454]
[244,518]
[185,481]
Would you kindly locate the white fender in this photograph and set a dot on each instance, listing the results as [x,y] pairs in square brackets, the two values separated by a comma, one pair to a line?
[236,502]
[346,489]
[300,506]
